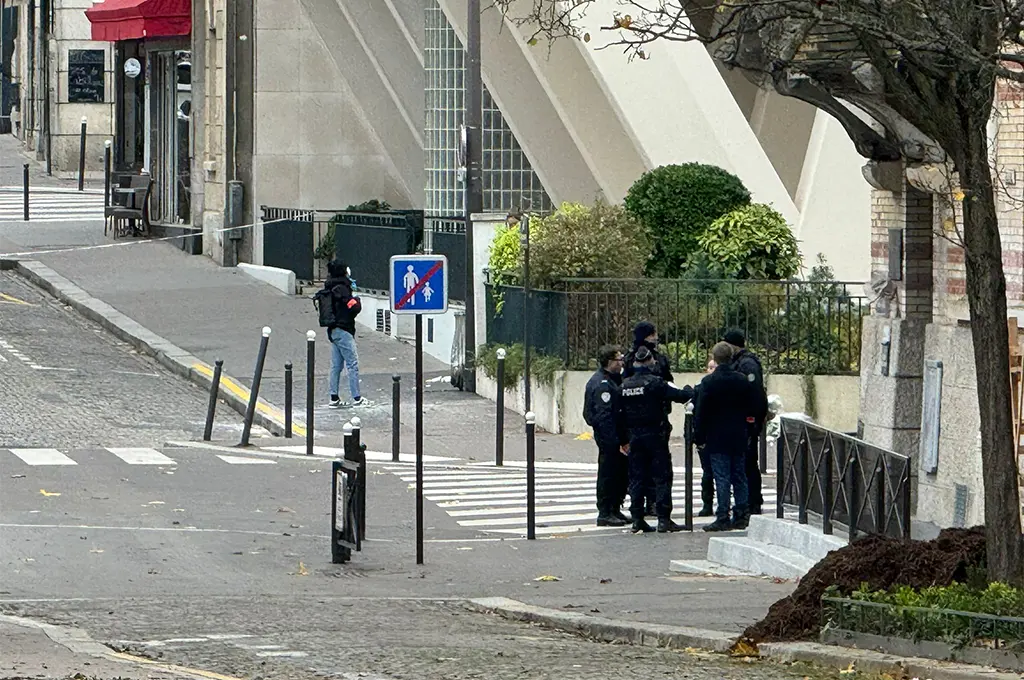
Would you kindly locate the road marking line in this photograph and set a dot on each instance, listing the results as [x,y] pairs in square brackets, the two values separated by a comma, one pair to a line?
[293,655]
[42,457]
[275,414]
[3,359]
[52,368]
[170,667]
[520,521]
[141,456]
[186,530]
[239,460]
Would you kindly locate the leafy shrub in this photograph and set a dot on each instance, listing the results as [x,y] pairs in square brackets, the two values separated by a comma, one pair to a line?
[325,250]
[752,242]
[677,203]
[542,366]
[504,264]
[595,241]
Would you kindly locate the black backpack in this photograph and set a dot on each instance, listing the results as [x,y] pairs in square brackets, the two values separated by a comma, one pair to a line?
[323,301]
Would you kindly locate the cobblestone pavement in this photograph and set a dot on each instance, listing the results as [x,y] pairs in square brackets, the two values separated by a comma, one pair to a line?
[68,383]
[378,639]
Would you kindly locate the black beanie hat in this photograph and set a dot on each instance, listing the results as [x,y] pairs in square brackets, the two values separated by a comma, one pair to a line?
[735,338]
[337,269]
[642,330]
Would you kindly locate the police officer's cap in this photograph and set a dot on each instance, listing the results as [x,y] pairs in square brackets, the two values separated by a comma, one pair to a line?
[643,354]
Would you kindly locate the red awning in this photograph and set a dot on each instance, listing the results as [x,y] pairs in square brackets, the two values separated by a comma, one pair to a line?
[114,20]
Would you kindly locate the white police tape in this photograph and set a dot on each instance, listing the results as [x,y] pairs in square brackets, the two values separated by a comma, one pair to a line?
[135,242]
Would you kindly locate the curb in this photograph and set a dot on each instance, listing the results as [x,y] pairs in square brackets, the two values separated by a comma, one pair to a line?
[682,638]
[170,356]
[78,641]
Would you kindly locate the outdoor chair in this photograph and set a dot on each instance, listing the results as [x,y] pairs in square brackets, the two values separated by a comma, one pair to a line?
[125,217]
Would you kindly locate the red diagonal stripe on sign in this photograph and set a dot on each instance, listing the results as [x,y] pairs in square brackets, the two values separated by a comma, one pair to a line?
[415,289]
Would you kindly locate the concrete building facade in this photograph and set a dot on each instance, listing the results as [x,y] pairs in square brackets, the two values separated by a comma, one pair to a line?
[55,76]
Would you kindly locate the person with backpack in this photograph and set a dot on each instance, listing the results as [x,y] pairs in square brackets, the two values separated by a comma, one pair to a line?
[338,308]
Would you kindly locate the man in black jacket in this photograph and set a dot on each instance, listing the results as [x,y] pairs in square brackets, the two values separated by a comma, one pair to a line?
[746,362]
[707,477]
[644,398]
[601,411]
[646,335]
[728,405]
[342,334]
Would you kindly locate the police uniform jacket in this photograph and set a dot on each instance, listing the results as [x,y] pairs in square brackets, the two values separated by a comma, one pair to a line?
[720,416]
[601,402]
[746,362]
[645,398]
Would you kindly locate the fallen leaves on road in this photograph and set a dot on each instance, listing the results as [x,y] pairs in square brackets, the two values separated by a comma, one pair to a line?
[585,437]
[547,578]
[96,551]
[285,509]
[302,570]
[743,649]
[48,494]
[154,503]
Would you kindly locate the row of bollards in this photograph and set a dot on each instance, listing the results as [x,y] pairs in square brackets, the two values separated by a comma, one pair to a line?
[26,216]
[251,406]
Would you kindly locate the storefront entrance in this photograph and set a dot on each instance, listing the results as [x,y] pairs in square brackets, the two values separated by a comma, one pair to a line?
[154,123]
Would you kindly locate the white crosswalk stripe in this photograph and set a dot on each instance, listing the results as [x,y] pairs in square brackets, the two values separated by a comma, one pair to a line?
[43,457]
[493,500]
[48,205]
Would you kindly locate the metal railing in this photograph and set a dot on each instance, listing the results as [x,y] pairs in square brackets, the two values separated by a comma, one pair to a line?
[842,479]
[922,623]
[793,326]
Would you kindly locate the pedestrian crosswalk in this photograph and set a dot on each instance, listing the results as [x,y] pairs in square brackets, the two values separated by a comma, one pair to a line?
[46,457]
[50,205]
[493,500]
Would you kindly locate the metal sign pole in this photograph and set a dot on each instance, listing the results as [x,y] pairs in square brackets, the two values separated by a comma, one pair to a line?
[525,241]
[419,439]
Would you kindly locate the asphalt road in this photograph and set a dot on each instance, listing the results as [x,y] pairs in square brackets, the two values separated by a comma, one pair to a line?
[67,383]
[219,558]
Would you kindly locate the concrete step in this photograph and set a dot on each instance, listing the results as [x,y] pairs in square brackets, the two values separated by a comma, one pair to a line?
[705,568]
[803,539]
[750,555]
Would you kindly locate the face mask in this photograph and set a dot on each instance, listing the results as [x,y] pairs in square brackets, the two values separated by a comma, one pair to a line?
[651,345]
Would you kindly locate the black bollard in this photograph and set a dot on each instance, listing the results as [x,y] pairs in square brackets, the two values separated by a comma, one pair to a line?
[106,173]
[288,400]
[81,155]
[254,393]
[360,458]
[499,416]
[24,185]
[396,416]
[531,477]
[211,409]
[688,470]
[310,387]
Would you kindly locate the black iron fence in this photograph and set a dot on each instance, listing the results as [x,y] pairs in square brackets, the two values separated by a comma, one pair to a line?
[304,241]
[793,326]
[447,236]
[843,480]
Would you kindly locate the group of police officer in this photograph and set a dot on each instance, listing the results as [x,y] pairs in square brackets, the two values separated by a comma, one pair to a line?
[628,402]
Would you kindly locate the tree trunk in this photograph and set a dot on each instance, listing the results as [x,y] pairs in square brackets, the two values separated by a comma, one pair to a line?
[986,295]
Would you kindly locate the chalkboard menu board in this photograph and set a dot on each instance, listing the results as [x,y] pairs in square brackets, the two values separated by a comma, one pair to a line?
[86,76]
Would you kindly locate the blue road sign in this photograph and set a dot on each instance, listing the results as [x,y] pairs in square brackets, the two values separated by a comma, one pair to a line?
[419,284]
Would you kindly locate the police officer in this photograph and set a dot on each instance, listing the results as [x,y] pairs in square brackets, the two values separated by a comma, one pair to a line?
[748,364]
[601,411]
[646,335]
[645,396]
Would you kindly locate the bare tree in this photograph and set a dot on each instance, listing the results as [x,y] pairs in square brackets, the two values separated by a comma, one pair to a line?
[927,71]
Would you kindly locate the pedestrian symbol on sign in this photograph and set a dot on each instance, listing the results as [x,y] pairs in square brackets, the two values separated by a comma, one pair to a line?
[410,280]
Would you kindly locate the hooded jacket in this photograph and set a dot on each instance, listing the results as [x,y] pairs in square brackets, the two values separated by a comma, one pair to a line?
[346,305]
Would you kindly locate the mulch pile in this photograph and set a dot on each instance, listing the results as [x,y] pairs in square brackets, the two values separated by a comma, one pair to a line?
[879,561]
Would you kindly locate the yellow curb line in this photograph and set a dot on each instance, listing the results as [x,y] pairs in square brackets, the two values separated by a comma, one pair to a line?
[275,414]
[14,301]
[170,667]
